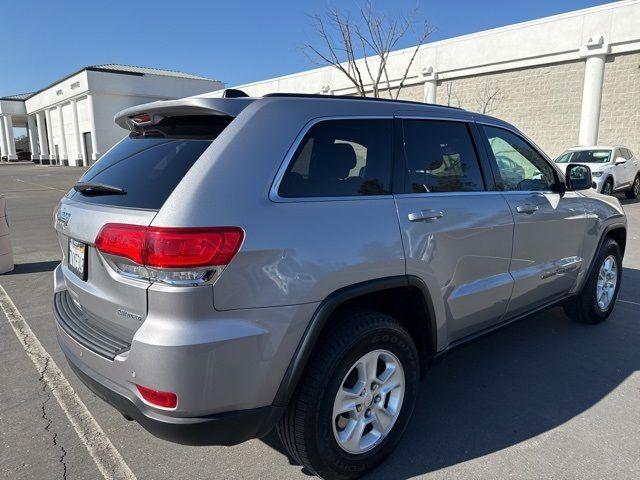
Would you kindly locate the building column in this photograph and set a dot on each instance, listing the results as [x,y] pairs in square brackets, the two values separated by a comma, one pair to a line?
[33,138]
[430,77]
[11,141]
[94,136]
[3,140]
[595,51]
[52,150]
[79,156]
[42,138]
[63,139]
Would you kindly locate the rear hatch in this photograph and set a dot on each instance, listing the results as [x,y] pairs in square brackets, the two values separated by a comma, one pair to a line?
[106,297]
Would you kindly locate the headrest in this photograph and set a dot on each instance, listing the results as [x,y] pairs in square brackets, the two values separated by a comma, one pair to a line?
[333,161]
[424,156]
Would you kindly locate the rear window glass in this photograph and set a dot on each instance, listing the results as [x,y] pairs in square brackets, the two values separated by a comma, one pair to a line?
[148,165]
[440,157]
[340,158]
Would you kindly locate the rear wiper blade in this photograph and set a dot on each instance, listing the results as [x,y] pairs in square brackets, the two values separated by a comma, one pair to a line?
[91,188]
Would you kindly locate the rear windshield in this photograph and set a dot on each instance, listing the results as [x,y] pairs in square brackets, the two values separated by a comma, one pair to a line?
[147,166]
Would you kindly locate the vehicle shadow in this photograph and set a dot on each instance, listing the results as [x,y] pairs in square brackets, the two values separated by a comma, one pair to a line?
[627,201]
[35,267]
[513,385]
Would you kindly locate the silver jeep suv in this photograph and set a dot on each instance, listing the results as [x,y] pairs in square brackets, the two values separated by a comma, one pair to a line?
[297,261]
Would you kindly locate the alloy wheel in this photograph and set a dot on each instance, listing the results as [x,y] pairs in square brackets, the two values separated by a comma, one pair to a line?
[368,401]
[607,282]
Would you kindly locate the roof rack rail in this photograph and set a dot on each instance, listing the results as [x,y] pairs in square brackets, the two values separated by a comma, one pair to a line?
[353,97]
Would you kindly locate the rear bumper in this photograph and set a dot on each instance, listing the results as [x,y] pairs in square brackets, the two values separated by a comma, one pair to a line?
[230,428]
[225,367]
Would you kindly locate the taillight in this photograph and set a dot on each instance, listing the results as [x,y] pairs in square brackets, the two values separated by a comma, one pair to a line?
[122,240]
[190,247]
[158,398]
[171,255]
[141,119]
[56,209]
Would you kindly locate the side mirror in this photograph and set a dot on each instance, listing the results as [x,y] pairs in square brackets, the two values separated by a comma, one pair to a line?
[578,177]
[620,161]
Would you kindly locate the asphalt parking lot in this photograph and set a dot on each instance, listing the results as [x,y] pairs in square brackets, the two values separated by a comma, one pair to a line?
[544,398]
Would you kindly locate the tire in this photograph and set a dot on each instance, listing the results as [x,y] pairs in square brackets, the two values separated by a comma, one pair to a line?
[309,429]
[585,308]
[607,188]
[634,191]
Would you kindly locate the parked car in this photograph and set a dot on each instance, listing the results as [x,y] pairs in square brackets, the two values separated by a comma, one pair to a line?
[614,168]
[298,261]
[23,155]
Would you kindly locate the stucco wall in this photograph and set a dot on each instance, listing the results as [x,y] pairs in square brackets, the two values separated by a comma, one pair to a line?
[620,114]
[543,102]
[105,107]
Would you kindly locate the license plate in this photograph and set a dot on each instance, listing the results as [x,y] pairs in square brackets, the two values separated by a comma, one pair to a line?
[78,258]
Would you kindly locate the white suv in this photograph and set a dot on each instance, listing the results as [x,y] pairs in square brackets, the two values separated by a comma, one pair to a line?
[614,168]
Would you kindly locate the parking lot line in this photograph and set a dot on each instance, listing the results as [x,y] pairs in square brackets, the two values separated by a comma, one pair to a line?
[40,185]
[628,301]
[107,458]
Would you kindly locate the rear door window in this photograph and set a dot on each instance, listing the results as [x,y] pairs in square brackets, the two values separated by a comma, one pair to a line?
[150,165]
[341,158]
[440,157]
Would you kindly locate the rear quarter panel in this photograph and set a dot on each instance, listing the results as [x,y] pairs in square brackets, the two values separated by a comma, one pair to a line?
[293,252]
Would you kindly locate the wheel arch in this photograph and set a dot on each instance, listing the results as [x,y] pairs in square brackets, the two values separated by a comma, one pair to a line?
[375,294]
[613,182]
[617,232]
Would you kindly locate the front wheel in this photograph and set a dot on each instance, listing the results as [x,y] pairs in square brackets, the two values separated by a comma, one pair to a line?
[598,297]
[607,188]
[355,398]
[634,191]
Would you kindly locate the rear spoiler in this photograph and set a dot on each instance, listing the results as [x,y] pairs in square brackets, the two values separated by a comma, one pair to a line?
[155,111]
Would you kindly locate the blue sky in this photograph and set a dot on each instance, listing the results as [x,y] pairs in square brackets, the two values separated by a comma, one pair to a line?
[236,42]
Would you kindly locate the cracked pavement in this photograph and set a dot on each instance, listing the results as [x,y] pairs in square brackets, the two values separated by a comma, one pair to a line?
[49,422]
[543,399]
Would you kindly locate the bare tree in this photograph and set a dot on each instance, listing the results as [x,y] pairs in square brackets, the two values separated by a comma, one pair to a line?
[22,143]
[360,48]
[451,97]
[489,97]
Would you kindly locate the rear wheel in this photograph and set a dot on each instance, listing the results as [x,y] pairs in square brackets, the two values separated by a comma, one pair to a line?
[634,191]
[607,188]
[355,398]
[598,297]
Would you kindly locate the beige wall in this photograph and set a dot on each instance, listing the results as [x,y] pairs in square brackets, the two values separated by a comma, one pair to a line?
[538,66]
[620,114]
[543,102]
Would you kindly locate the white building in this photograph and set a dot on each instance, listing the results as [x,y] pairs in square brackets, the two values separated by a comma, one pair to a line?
[70,122]
[565,80]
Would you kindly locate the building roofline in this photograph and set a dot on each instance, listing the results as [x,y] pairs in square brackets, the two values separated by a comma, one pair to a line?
[95,68]
[452,40]
[12,98]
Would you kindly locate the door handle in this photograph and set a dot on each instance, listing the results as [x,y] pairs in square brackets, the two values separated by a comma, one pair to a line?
[426,216]
[528,208]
